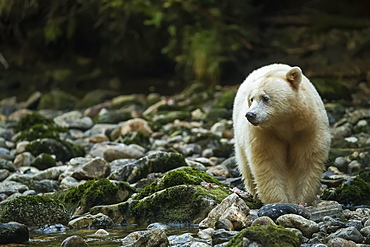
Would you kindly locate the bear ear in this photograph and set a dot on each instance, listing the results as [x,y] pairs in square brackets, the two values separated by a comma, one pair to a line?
[294,77]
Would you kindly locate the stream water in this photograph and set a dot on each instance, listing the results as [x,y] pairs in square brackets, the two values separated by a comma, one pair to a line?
[114,238]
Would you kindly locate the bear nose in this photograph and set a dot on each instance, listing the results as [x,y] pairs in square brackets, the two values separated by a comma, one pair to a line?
[252,118]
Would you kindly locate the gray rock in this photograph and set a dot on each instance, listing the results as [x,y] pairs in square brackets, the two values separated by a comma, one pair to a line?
[23,159]
[96,221]
[45,186]
[74,120]
[13,233]
[232,208]
[51,173]
[277,209]
[340,242]
[331,225]
[152,238]
[94,169]
[155,162]
[117,151]
[4,174]
[349,233]
[325,208]
[7,164]
[10,187]
[5,154]
[180,240]
[221,236]
[307,227]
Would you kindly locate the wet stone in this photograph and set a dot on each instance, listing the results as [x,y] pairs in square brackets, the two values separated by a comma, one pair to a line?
[277,209]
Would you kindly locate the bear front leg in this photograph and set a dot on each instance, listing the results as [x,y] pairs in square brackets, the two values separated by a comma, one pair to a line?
[268,165]
[245,171]
[306,178]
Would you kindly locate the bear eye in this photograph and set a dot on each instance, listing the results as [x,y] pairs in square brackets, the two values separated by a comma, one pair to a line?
[265,98]
[251,99]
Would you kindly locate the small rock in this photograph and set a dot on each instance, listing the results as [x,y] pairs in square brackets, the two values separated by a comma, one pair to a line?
[98,138]
[74,120]
[4,174]
[237,214]
[13,233]
[134,125]
[263,220]
[124,151]
[307,227]
[23,159]
[221,236]
[101,233]
[349,233]
[74,241]
[340,242]
[93,169]
[178,240]
[153,238]
[325,208]
[277,209]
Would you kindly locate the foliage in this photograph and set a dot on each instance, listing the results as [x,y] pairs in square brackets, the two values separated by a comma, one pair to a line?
[34,126]
[350,193]
[197,36]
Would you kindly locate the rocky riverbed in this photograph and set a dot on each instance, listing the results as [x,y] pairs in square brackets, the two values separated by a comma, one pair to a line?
[156,162]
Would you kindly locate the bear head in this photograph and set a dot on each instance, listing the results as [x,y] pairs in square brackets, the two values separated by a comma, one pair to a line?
[271,96]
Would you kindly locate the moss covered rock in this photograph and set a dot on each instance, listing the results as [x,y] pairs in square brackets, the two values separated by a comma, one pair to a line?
[62,150]
[177,204]
[186,176]
[177,197]
[154,162]
[266,235]
[34,211]
[350,193]
[34,126]
[43,161]
[13,233]
[6,164]
[95,192]
[57,99]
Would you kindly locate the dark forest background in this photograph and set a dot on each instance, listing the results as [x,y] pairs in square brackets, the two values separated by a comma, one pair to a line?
[143,46]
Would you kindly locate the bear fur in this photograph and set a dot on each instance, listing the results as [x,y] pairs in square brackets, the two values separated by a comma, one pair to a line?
[281,133]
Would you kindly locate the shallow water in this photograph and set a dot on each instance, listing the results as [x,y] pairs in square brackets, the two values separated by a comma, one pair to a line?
[113,239]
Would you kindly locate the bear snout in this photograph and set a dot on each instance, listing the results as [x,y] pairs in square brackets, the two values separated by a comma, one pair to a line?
[252,118]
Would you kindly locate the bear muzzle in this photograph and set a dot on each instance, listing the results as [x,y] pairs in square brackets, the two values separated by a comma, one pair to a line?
[252,118]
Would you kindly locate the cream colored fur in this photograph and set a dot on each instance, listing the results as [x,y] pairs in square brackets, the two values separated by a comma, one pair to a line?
[281,156]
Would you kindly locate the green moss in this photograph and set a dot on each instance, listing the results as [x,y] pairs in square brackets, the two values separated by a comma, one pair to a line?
[216,114]
[266,235]
[92,193]
[203,139]
[351,193]
[43,161]
[135,138]
[332,88]
[34,211]
[168,117]
[41,131]
[181,203]
[186,176]
[30,120]
[34,126]
[63,150]
[226,100]
[57,100]
[223,150]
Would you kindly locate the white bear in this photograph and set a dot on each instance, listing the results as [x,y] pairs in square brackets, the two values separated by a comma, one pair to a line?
[281,133]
